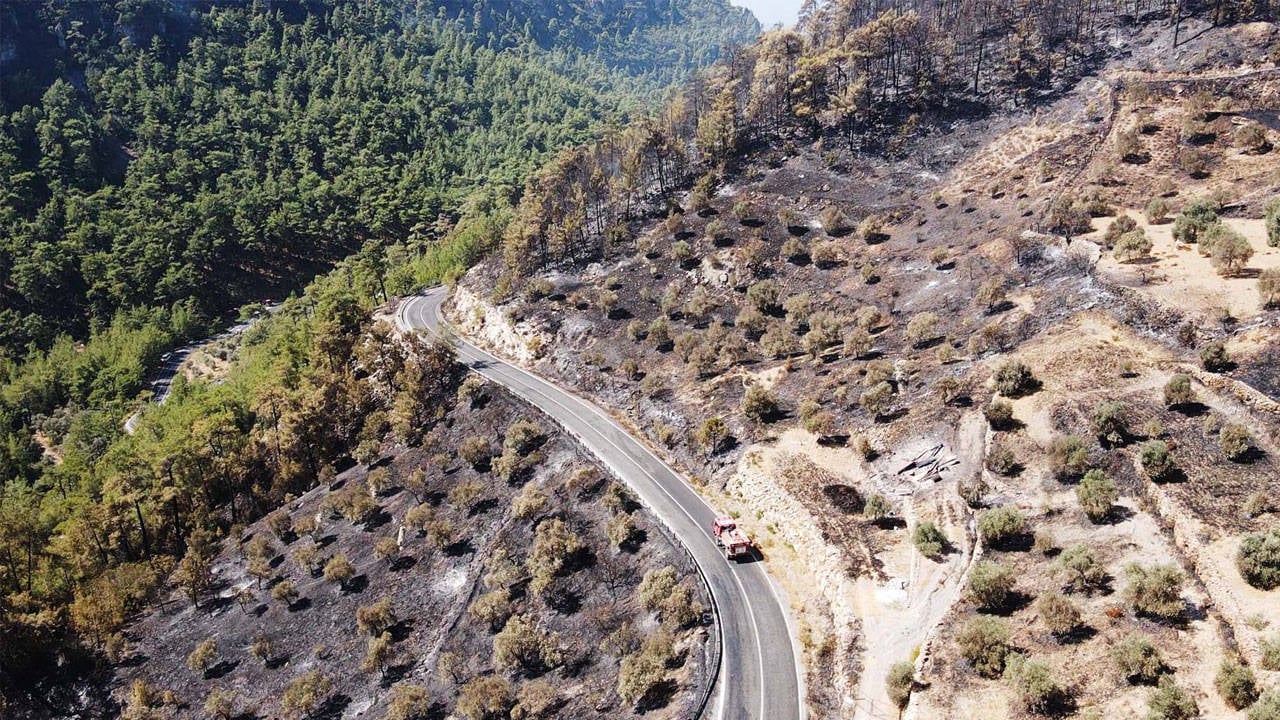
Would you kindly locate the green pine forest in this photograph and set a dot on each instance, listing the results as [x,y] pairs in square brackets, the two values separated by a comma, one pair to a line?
[164,163]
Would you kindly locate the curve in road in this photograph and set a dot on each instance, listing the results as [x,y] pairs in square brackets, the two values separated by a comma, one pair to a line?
[759,678]
[171,363]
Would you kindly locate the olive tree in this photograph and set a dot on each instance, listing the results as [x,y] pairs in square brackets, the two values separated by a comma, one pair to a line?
[1155,460]
[1058,613]
[758,404]
[1194,220]
[1269,288]
[984,642]
[1214,357]
[339,570]
[525,644]
[1157,210]
[1258,559]
[999,414]
[899,683]
[990,585]
[1037,690]
[408,702]
[1097,494]
[1231,252]
[711,434]
[641,671]
[1178,391]
[877,508]
[1015,379]
[1068,457]
[305,694]
[1137,660]
[376,618]
[877,400]
[1081,571]
[1237,684]
[1110,423]
[1001,524]
[921,328]
[1133,245]
[486,697]
[1155,591]
[203,657]
[929,539]
[1236,441]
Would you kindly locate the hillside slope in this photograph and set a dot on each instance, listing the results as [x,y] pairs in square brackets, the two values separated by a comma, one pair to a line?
[500,589]
[188,158]
[946,398]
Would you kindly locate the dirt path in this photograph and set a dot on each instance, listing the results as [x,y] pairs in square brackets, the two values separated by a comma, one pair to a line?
[899,616]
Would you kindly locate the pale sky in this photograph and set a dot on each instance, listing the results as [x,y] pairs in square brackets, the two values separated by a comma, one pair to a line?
[771,12]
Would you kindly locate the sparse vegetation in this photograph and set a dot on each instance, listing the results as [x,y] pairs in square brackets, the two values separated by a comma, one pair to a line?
[1267,707]
[1271,653]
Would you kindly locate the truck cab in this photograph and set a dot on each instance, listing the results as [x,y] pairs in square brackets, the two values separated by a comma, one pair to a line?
[732,541]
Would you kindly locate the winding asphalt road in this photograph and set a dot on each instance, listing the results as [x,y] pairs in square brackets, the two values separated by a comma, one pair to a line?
[759,677]
[162,382]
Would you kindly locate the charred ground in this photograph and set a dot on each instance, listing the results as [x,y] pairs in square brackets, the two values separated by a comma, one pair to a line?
[810,319]
[494,567]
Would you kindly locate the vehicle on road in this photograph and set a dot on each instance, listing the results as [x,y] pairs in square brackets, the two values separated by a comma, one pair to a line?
[734,542]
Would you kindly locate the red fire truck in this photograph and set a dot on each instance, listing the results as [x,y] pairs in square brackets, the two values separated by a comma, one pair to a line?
[732,541]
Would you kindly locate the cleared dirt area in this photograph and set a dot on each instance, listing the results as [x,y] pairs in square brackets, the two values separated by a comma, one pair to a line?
[1179,276]
[1082,363]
